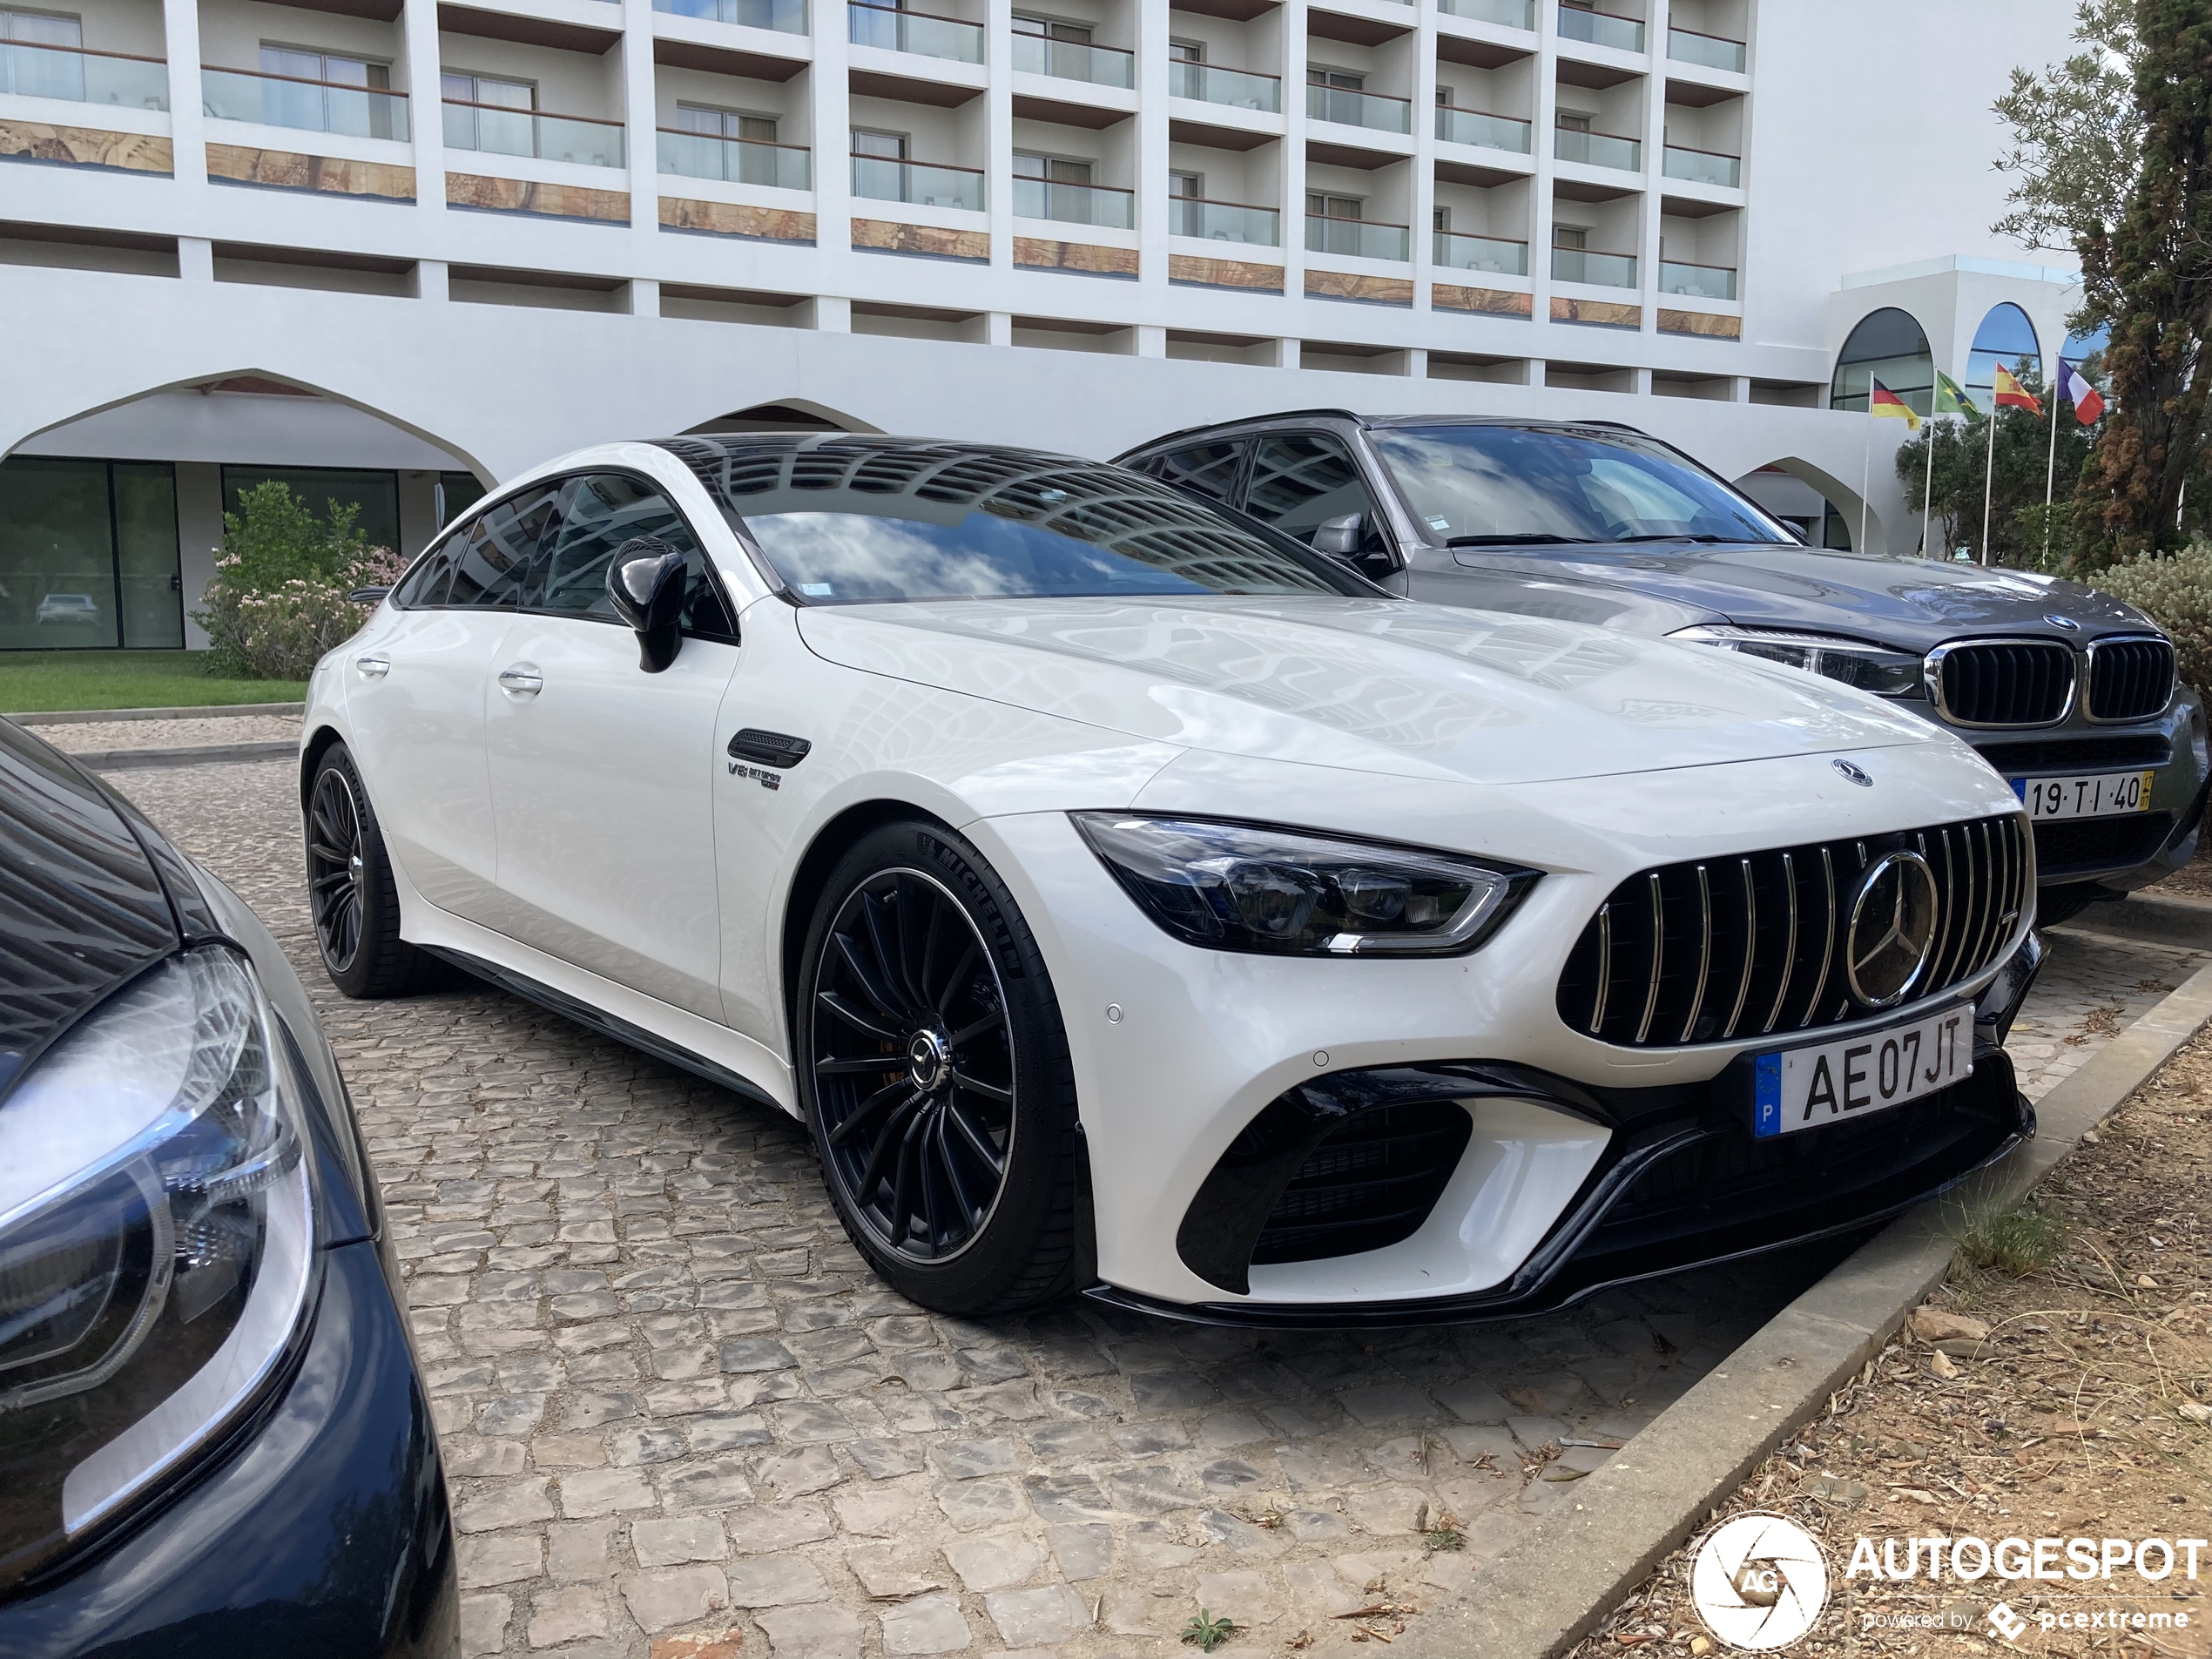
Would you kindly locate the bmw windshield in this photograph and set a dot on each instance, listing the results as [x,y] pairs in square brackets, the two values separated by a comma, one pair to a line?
[1508,486]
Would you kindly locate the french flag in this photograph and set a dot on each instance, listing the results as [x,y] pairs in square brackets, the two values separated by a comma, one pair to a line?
[2073,387]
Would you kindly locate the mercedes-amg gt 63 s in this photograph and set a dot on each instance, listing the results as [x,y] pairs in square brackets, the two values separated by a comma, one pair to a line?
[1132,901]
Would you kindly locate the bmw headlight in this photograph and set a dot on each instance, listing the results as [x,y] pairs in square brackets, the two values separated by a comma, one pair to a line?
[1870,668]
[156,1244]
[1240,886]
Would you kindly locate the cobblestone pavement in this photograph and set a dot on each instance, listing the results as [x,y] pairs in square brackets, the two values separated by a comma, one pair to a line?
[93,737]
[681,1419]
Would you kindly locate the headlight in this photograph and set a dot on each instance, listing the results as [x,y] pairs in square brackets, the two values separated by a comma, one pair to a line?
[1886,673]
[156,1244]
[1235,886]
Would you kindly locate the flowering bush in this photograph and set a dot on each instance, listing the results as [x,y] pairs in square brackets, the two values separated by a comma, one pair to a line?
[280,632]
[2176,592]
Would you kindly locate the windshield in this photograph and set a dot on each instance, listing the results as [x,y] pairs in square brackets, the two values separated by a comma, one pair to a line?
[856,523]
[1514,486]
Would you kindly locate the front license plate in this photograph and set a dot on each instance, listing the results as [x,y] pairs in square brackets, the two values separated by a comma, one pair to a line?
[2106,795]
[1801,1088]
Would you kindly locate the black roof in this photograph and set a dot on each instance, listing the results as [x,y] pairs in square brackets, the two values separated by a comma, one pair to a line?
[1371,422]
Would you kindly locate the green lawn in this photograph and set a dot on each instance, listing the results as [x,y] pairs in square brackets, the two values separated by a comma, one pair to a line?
[34,681]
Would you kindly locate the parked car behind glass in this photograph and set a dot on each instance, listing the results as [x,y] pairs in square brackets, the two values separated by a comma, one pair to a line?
[212,1440]
[2068,693]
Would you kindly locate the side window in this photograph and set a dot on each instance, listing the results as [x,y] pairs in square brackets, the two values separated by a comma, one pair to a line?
[1207,469]
[599,512]
[495,551]
[1299,482]
[424,586]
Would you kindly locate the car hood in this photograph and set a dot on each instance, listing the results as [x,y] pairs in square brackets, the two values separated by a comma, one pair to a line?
[1374,685]
[1913,605]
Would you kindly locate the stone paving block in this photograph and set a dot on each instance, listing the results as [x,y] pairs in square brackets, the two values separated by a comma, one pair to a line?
[1082,1550]
[508,1504]
[585,1493]
[1535,1431]
[483,1623]
[1173,1391]
[812,1633]
[1392,1509]
[718,1485]
[568,1615]
[997,1561]
[579,1550]
[663,1597]
[769,1526]
[468,1457]
[889,1572]
[965,1460]
[1037,1618]
[793,1474]
[926,1625]
[492,1558]
[671,1542]
[882,1509]
[1472,1402]
[1383,1406]
[970,1505]
[1249,1597]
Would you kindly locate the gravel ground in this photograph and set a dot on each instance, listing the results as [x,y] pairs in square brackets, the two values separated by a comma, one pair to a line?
[679,1415]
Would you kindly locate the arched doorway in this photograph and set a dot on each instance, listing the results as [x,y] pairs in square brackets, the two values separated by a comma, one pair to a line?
[1887,346]
[786,415]
[2006,336]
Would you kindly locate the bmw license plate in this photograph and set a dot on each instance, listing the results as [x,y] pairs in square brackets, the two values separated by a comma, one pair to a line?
[2106,795]
[1802,1089]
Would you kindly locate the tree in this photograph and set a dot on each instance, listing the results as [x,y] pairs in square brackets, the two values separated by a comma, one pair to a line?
[2113,153]
[1962,454]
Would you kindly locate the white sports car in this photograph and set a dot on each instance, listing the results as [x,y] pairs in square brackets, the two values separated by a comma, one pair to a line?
[1133,900]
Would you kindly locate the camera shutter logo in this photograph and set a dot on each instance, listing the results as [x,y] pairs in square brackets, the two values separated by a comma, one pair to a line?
[1759,1582]
[1892,928]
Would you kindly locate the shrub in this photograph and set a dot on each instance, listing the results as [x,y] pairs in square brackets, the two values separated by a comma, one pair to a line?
[280,599]
[2176,592]
[275,537]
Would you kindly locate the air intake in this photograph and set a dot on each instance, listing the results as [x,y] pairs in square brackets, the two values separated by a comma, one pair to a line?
[2019,682]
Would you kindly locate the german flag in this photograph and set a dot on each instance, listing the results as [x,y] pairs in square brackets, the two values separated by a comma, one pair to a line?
[1881,401]
[2010,393]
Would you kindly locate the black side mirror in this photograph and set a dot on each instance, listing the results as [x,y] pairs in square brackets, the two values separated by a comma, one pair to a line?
[1339,537]
[645,580]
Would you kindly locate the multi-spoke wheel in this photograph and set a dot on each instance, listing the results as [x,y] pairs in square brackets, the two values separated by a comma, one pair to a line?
[350,893]
[936,1076]
[334,868]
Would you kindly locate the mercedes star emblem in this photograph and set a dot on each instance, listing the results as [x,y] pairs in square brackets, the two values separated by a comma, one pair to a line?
[1892,928]
[1853,773]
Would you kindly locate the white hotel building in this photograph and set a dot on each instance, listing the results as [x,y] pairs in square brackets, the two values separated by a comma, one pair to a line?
[395,250]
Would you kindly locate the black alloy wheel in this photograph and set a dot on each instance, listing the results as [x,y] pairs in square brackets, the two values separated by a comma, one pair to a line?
[352,893]
[336,869]
[914,1065]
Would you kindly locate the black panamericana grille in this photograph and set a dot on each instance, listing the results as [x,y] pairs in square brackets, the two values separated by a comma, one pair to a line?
[1370,1184]
[2087,751]
[2019,682]
[2087,845]
[1740,947]
[2130,680]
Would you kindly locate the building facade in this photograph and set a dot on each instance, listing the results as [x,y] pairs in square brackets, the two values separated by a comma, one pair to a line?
[392,251]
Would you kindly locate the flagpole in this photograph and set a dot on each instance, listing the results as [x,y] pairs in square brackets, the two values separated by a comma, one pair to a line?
[1928,493]
[2051,466]
[1988,471]
[1866,468]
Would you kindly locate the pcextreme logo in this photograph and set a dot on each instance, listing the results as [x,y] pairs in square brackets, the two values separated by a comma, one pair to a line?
[1759,1582]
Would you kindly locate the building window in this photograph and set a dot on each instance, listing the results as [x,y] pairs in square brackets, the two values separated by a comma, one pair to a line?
[725,124]
[88,555]
[1887,346]
[2006,336]
[1573,121]
[40,74]
[1577,236]
[883,146]
[1440,219]
[1059,170]
[1328,207]
[1187,51]
[374,496]
[1051,29]
[1188,186]
[1445,98]
[319,91]
[1343,79]
[483,112]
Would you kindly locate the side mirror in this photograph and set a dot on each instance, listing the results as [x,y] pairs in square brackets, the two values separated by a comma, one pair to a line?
[1339,537]
[645,580]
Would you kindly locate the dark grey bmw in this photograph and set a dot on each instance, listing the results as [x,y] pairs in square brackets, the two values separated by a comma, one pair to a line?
[2067,692]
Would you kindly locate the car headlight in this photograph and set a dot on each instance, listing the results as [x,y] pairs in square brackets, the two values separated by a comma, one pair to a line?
[156,1244]
[1240,886]
[1870,668]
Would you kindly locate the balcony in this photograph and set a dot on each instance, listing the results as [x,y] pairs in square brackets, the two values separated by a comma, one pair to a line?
[311,106]
[1214,221]
[784,16]
[1235,88]
[1598,149]
[919,32]
[1358,238]
[1495,255]
[1376,110]
[1485,132]
[878,178]
[736,161]
[1512,14]
[1706,52]
[1073,60]
[30,68]
[1103,205]
[1601,28]
[1696,281]
[495,130]
[1598,270]
[1702,167]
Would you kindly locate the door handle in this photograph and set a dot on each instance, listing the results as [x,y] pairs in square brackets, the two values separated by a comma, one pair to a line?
[521,680]
[371,668]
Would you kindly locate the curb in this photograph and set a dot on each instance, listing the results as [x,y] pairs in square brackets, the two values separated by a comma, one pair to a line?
[206,755]
[94,717]
[2163,918]
[1549,1589]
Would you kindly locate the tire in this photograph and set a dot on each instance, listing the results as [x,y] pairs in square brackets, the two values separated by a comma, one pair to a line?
[2062,904]
[351,896]
[934,1074]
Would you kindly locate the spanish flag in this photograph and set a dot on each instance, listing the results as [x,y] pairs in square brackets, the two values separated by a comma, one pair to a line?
[1881,401]
[2011,392]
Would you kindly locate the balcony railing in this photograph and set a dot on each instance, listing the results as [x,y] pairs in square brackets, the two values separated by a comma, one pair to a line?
[1598,149]
[1075,60]
[1105,205]
[31,69]
[1361,239]
[1698,281]
[1237,89]
[1702,167]
[1599,270]
[784,16]
[1487,132]
[496,130]
[878,178]
[736,161]
[919,32]
[1513,14]
[1225,222]
[292,101]
[1601,28]
[1343,106]
[1460,251]
[1712,51]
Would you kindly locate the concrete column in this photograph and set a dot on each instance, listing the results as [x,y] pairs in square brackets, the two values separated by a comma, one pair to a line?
[1416,358]
[1639,382]
[187,130]
[998,328]
[1293,67]
[1421,218]
[831,314]
[1152,209]
[641,297]
[1151,341]
[998,126]
[1739,389]
[428,280]
[425,119]
[195,258]
[833,140]
[1286,351]
[1655,156]
[200,530]
[640,141]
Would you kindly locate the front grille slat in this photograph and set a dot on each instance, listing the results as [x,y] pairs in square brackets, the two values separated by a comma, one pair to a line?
[1776,917]
[2130,680]
[2005,682]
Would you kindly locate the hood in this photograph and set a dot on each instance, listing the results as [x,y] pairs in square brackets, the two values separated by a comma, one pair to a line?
[1372,686]
[83,903]
[1912,605]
